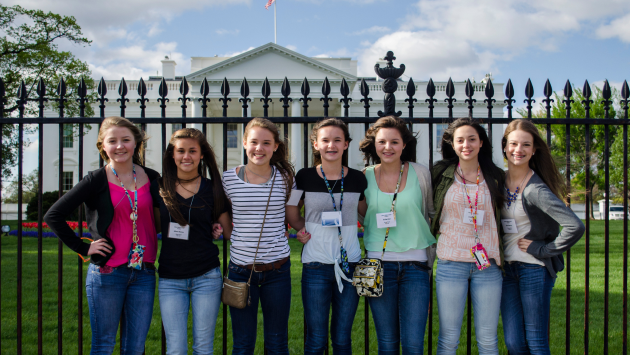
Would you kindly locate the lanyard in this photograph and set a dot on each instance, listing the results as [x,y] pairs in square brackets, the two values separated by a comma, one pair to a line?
[134,204]
[473,211]
[393,209]
[344,254]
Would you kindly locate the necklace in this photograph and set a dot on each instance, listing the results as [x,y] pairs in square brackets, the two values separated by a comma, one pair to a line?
[344,255]
[179,182]
[513,195]
[264,177]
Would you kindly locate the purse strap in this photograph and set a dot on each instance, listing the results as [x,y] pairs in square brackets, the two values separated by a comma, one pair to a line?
[273,180]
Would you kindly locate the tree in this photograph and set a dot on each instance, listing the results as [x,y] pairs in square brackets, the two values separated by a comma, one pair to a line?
[577,158]
[29,51]
[49,199]
[29,189]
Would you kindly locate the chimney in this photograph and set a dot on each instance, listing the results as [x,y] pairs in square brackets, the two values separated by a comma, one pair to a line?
[168,68]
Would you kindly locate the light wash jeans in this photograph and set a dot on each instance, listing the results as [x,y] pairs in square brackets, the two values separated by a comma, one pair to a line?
[452,288]
[203,293]
[121,296]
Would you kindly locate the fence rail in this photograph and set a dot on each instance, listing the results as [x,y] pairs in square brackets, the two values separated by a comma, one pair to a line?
[390,83]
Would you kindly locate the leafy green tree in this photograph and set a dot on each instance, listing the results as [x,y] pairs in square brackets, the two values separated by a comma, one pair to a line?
[577,141]
[49,199]
[29,51]
[29,189]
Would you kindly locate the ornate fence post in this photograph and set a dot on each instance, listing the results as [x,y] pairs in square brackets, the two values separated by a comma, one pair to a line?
[390,76]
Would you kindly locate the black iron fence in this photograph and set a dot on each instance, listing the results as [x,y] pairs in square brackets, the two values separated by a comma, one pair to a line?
[390,76]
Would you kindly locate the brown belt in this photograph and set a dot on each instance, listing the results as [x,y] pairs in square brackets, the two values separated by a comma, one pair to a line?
[266,267]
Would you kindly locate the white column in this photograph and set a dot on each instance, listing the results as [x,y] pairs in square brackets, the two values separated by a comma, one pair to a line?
[355,158]
[296,145]
[195,111]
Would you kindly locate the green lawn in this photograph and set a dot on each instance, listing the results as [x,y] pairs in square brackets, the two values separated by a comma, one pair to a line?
[71,281]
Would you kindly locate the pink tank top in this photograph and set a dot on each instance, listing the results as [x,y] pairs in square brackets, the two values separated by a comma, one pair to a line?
[121,229]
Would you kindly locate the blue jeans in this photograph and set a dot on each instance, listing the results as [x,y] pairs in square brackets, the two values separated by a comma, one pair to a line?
[400,314]
[319,290]
[452,289]
[176,297]
[525,308]
[125,296]
[273,289]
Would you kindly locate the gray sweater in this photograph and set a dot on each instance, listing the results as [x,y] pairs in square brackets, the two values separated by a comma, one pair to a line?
[546,213]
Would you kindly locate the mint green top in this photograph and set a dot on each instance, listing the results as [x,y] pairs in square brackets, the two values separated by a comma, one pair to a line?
[411,231]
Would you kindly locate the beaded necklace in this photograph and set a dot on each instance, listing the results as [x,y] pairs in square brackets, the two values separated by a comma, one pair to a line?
[513,195]
[344,255]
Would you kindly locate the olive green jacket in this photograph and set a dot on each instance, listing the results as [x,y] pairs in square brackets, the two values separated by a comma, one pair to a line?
[440,188]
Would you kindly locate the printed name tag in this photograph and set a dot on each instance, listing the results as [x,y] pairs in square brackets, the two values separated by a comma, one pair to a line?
[468,217]
[331,219]
[175,231]
[384,220]
[509,225]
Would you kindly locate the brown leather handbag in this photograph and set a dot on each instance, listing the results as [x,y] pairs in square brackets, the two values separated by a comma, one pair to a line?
[236,294]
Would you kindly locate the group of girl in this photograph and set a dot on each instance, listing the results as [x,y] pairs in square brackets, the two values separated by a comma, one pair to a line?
[475,217]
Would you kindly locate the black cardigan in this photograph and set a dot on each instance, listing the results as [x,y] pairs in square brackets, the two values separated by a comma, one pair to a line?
[93,190]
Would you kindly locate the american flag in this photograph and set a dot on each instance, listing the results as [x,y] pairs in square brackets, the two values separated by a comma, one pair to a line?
[269,4]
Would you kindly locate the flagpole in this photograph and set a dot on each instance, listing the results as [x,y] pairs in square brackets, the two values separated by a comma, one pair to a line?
[275,23]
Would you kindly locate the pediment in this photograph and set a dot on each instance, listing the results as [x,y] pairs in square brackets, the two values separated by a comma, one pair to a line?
[271,61]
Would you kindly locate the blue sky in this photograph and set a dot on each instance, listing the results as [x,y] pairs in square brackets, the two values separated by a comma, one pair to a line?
[537,39]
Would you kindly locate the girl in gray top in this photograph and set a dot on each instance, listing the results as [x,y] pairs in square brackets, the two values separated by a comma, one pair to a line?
[532,251]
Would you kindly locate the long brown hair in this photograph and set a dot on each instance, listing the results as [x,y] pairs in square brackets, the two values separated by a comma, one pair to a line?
[542,162]
[368,144]
[279,158]
[139,136]
[328,122]
[493,175]
[207,165]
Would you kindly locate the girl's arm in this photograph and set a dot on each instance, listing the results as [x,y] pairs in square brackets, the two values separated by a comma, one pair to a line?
[223,227]
[293,216]
[572,226]
[57,214]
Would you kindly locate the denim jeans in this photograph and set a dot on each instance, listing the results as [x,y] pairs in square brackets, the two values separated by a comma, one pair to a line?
[319,291]
[273,289]
[400,314]
[203,293]
[123,296]
[452,289]
[525,308]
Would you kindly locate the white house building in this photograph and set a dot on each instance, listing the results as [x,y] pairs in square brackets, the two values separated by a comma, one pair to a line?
[275,63]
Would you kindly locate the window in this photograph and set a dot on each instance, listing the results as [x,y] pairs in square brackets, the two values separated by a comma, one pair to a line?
[232,135]
[67,180]
[68,139]
[176,127]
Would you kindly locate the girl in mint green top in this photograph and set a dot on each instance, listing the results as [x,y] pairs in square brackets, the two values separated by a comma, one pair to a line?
[400,314]
[412,232]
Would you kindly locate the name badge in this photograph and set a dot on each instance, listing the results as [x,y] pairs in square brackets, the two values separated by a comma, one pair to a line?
[385,220]
[509,225]
[468,217]
[331,219]
[175,231]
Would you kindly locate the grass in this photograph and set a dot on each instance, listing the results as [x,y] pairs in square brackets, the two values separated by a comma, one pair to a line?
[74,276]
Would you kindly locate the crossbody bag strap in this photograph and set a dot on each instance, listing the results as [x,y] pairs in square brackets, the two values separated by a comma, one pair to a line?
[273,181]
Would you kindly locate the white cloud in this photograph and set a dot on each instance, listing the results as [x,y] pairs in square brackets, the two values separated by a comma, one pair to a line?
[291,47]
[342,52]
[234,54]
[619,27]
[462,38]
[371,30]
[222,31]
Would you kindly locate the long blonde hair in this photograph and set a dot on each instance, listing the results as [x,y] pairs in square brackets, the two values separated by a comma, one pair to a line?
[139,136]
[279,158]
